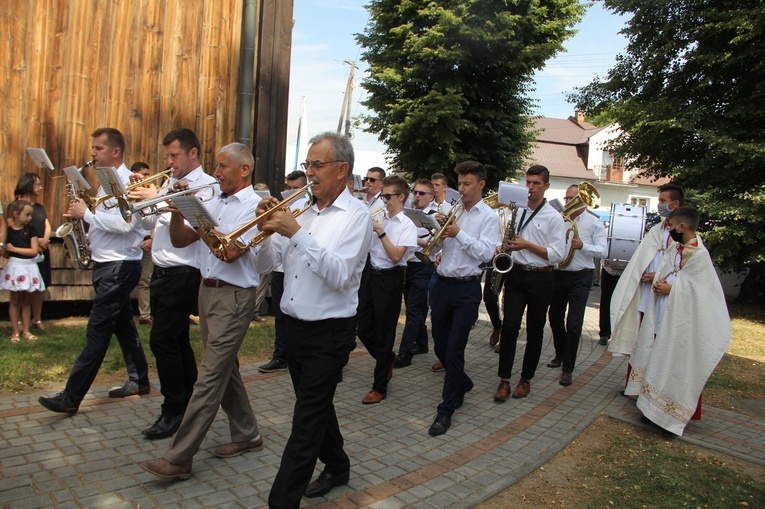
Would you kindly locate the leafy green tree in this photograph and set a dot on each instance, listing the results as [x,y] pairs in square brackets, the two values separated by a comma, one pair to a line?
[689,94]
[448,80]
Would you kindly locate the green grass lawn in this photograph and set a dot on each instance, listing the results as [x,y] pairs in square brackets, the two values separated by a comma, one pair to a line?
[25,365]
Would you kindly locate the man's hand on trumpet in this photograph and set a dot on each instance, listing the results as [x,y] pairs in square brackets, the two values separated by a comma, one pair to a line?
[280,221]
[142,193]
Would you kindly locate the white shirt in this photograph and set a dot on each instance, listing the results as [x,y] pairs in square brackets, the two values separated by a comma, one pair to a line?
[323,261]
[444,207]
[231,212]
[594,243]
[163,254]
[402,232]
[112,239]
[546,229]
[473,245]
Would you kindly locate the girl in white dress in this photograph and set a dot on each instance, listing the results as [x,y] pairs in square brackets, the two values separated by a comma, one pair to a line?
[20,274]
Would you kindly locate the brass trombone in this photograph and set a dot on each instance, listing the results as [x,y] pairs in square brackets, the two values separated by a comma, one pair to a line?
[219,243]
[438,237]
[151,203]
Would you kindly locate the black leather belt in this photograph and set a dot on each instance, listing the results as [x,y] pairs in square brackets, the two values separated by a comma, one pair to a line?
[531,268]
[392,270]
[173,271]
[217,283]
[459,279]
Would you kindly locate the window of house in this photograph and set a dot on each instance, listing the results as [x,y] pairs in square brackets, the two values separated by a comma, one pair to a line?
[640,201]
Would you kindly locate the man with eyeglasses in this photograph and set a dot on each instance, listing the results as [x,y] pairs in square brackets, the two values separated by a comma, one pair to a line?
[415,337]
[373,183]
[323,253]
[382,284]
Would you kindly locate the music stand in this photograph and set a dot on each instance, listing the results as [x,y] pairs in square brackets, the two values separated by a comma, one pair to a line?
[195,212]
[40,158]
[76,179]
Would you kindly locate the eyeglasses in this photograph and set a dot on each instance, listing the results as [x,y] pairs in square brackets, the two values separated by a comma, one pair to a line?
[421,193]
[317,165]
[388,196]
[371,179]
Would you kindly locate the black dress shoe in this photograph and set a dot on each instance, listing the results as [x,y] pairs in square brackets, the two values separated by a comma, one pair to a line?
[465,389]
[555,362]
[402,361]
[165,426]
[60,403]
[440,425]
[324,484]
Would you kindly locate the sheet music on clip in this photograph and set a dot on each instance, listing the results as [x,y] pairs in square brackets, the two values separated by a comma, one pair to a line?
[76,179]
[110,181]
[40,157]
[422,220]
[195,212]
[452,196]
[508,193]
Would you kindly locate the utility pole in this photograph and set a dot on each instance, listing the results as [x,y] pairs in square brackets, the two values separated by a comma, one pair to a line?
[345,110]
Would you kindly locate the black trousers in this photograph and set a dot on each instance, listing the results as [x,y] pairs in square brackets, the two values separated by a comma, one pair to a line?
[607,285]
[571,290]
[111,314]
[530,292]
[280,338]
[316,355]
[453,311]
[491,299]
[379,307]
[415,333]
[173,297]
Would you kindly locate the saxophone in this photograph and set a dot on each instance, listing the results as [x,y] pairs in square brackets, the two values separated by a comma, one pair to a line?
[503,261]
[73,233]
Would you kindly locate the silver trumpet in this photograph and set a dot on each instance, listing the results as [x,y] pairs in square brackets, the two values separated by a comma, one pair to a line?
[152,205]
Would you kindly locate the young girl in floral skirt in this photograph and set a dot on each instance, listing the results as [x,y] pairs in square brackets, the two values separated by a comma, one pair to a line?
[20,274]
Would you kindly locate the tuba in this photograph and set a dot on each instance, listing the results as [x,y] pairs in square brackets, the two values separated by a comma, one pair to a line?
[73,234]
[587,196]
[438,238]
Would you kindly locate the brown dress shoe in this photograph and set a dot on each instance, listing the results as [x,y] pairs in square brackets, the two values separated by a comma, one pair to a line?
[555,362]
[523,389]
[163,470]
[497,348]
[494,338]
[236,448]
[437,366]
[565,379]
[503,392]
[373,397]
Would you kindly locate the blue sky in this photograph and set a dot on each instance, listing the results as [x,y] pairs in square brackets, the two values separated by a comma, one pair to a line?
[323,38]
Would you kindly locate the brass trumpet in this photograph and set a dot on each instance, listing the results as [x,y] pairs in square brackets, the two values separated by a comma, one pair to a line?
[219,244]
[438,238]
[121,201]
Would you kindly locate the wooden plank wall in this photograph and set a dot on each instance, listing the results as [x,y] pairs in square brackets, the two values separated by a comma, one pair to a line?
[142,66]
